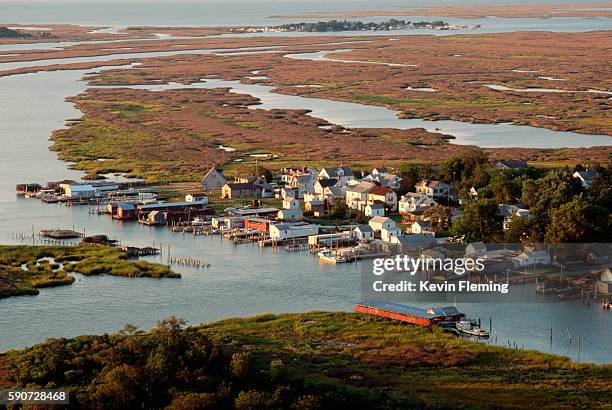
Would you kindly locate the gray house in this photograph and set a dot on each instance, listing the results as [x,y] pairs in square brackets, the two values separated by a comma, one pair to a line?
[213,179]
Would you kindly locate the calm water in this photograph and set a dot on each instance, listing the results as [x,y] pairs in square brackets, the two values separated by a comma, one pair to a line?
[242,280]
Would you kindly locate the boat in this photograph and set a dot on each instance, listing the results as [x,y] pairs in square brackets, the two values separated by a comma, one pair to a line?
[606,305]
[197,222]
[329,256]
[470,328]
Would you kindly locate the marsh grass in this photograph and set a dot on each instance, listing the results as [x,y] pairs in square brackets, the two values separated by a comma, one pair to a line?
[87,260]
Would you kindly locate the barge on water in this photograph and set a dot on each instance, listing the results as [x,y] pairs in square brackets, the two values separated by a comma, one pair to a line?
[411,314]
[449,318]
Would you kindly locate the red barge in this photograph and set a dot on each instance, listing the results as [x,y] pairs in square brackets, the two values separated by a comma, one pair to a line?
[412,314]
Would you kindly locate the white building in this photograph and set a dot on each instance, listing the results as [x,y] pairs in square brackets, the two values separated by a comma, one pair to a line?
[79,191]
[415,202]
[291,203]
[290,214]
[292,230]
[530,258]
[200,198]
[433,188]
[342,174]
[375,209]
[363,233]
[357,197]
[378,223]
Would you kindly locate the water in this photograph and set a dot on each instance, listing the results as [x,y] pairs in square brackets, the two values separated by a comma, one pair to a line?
[242,280]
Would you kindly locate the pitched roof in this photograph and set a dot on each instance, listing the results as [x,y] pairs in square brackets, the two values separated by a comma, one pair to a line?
[327,182]
[380,190]
[364,187]
[379,219]
[363,228]
[586,175]
[376,205]
[513,164]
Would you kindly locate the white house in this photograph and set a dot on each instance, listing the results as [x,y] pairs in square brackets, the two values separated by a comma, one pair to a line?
[213,179]
[530,258]
[385,195]
[357,197]
[292,230]
[290,214]
[321,184]
[378,223]
[363,233]
[415,202]
[199,197]
[419,226]
[585,177]
[291,203]
[343,174]
[387,235]
[303,182]
[384,178]
[375,209]
[512,211]
[433,188]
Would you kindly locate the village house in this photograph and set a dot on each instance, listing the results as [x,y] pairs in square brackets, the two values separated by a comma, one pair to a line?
[213,179]
[512,211]
[239,190]
[314,205]
[384,195]
[385,227]
[303,183]
[414,202]
[342,174]
[434,189]
[331,194]
[297,230]
[532,257]
[363,233]
[197,197]
[287,192]
[375,209]
[257,189]
[383,177]
[585,177]
[357,197]
[321,184]
[291,210]
[257,224]
[421,227]
[509,164]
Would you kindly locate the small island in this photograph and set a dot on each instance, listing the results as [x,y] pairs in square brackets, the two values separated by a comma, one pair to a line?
[348,25]
[25,269]
[6,32]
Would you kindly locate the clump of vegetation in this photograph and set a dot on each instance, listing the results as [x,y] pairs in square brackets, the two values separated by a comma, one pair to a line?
[303,361]
[24,269]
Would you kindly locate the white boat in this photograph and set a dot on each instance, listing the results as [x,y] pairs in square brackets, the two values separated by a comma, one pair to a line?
[197,222]
[469,328]
[330,257]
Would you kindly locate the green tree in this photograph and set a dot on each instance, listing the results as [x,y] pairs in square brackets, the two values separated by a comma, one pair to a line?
[553,190]
[240,364]
[250,400]
[471,168]
[579,221]
[600,188]
[308,402]
[438,216]
[480,220]
[277,369]
[523,230]
[339,210]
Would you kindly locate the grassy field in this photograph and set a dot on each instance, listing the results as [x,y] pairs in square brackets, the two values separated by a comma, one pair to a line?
[25,269]
[303,361]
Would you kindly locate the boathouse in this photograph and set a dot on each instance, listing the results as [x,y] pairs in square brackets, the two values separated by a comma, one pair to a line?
[411,314]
